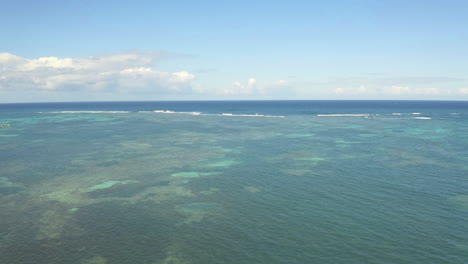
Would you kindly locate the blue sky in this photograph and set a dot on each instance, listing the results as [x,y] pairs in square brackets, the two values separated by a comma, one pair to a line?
[80,50]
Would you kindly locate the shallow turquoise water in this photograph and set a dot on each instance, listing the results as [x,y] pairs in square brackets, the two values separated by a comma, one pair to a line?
[286,186]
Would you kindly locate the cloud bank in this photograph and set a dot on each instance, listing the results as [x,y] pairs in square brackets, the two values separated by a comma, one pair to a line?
[399,87]
[393,90]
[130,72]
[133,76]
[253,89]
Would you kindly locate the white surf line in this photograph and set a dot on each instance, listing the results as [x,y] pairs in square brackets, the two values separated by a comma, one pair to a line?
[154,111]
[85,112]
[248,115]
[347,115]
[175,112]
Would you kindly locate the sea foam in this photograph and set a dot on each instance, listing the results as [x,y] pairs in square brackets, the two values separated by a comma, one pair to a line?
[350,115]
[85,112]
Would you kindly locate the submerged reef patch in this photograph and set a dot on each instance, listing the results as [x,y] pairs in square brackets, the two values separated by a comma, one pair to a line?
[174,260]
[198,207]
[462,200]
[196,212]
[158,194]
[300,135]
[298,172]
[125,233]
[108,184]
[222,163]
[193,174]
[8,187]
[96,260]
[252,189]
[316,159]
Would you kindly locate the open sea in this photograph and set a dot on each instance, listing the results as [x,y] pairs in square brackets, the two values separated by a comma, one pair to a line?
[234,182]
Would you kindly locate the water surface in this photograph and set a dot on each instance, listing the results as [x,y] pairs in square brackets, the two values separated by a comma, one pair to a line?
[234,182]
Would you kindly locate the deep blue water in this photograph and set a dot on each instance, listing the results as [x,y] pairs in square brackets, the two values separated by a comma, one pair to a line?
[234,182]
[244,107]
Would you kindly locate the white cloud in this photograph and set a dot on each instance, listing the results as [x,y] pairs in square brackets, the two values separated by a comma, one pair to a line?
[339,91]
[353,91]
[238,88]
[252,83]
[10,60]
[397,90]
[126,72]
[391,90]
[433,91]
[463,90]
[428,87]
[252,89]
[362,89]
[405,90]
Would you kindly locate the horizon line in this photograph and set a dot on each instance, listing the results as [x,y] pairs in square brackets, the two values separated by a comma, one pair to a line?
[243,100]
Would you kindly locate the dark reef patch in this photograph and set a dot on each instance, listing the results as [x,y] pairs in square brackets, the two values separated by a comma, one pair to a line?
[119,233]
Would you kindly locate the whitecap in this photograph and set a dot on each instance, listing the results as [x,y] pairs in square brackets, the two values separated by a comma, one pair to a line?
[189,113]
[229,114]
[85,112]
[175,112]
[164,111]
[350,115]
[274,116]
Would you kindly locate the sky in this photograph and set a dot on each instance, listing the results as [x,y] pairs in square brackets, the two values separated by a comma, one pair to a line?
[91,50]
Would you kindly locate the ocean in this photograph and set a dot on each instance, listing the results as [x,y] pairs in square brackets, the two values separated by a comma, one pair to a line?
[234,182]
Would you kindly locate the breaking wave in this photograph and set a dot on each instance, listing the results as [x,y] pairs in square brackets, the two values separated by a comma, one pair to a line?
[85,112]
[383,116]
[350,115]
[156,112]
